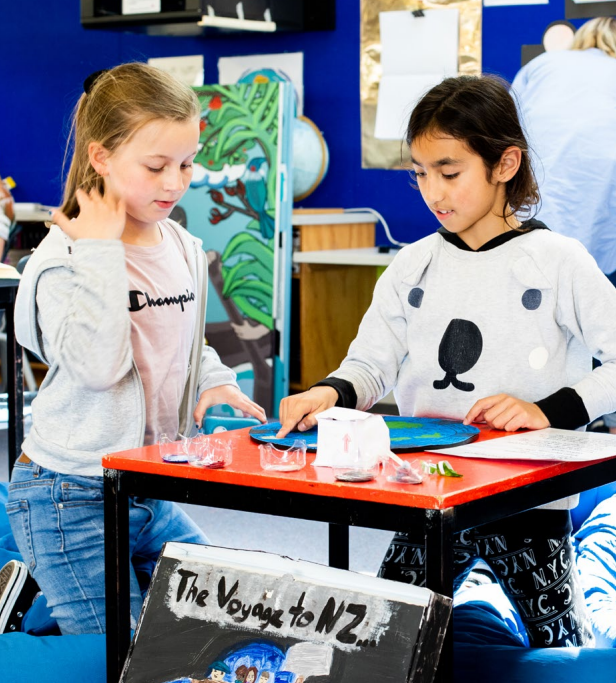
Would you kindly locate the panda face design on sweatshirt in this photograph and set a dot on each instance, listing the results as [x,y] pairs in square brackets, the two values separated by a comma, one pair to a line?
[462,342]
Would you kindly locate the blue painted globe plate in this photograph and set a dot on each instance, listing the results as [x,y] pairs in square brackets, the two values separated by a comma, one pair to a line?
[406,434]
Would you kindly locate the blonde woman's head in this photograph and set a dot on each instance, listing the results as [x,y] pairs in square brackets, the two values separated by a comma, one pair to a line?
[116,105]
[600,33]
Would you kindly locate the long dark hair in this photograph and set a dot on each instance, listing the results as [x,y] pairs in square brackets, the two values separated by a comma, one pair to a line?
[479,111]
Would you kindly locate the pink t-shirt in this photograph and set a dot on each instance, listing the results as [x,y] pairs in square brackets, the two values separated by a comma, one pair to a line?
[163,312]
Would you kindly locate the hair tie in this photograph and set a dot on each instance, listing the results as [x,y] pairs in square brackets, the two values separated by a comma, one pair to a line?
[91,79]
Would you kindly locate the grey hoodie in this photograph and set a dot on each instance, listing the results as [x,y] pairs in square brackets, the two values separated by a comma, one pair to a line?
[71,311]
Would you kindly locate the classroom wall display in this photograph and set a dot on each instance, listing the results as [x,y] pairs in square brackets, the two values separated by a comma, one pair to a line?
[239,204]
[558,35]
[216,614]
[589,9]
[331,94]
[384,153]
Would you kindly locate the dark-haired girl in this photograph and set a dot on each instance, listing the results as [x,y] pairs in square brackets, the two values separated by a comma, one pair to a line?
[495,319]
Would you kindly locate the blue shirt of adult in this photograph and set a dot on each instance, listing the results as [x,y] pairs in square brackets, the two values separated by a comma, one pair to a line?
[567,102]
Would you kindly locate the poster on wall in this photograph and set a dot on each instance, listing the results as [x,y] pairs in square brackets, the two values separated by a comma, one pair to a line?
[383,151]
[239,206]
[216,614]
[287,66]
[416,54]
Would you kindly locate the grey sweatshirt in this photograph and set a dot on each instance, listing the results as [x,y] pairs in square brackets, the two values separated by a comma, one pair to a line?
[447,327]
[524,316]
[72,312]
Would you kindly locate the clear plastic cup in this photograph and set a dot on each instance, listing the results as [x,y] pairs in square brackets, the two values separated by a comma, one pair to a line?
[195,449]
[363,468]
[356,464]
[217,453]
[283,460]
[171,451]
[400,471]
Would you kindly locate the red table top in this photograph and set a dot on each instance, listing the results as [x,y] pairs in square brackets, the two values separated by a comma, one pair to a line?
[480,478]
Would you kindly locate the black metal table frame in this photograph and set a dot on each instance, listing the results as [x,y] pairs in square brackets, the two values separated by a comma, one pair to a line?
[13,372]
[340,513]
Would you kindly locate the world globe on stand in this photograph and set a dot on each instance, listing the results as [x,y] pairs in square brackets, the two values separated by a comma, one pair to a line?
[310,157]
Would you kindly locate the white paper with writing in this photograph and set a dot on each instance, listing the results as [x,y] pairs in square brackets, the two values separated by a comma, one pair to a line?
[544,444]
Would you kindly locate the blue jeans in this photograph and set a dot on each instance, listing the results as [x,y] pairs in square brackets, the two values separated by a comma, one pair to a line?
[57,521]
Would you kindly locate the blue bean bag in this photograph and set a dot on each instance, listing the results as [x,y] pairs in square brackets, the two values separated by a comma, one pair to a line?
[488,648]
[489,640]
[34,655]
[595,543]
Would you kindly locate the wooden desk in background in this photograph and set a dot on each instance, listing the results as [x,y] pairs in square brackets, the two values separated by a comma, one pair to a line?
[335,268]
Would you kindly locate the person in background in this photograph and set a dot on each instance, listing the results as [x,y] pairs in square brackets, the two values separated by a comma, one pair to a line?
[7,213]
[567,103]
[113,300]
[495,319]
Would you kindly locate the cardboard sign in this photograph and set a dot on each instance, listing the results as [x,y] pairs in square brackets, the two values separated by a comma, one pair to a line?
[216,614]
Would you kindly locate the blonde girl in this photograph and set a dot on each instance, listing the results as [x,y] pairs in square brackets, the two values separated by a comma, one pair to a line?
[113,301]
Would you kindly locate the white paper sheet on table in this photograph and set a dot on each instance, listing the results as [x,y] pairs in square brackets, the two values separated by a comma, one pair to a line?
[416,54]
[543,444]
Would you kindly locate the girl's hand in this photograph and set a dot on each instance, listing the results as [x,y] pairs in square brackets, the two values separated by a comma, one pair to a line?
[508,413]
[230,395]
[302,409]
[100,218]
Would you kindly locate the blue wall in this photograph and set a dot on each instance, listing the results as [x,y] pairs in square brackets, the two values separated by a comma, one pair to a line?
[46,54]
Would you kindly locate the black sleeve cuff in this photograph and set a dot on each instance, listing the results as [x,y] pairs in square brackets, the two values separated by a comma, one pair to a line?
[347,397]
[564,409]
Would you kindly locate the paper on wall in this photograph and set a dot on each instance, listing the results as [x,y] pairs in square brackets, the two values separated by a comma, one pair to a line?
[544,444]
[289,66]
[350,438]
[141,6]
[416,54]
[187,69]
[500,3]
[398,95]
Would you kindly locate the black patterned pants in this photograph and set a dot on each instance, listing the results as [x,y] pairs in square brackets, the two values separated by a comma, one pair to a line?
[533,560]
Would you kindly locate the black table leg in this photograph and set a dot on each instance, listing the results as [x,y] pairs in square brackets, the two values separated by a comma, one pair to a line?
[439,576]
[117,574]
[14,387]
[339,546]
